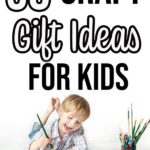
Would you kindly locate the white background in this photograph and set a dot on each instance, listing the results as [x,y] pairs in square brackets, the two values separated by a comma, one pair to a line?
[19,105]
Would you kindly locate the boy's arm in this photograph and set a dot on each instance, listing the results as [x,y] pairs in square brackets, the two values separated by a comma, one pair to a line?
[35,129]
[79,143]
[38,139]
[32,138]
[53,105]
[41,142]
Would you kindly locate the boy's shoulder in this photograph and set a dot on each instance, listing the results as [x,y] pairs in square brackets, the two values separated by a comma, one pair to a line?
[79,131]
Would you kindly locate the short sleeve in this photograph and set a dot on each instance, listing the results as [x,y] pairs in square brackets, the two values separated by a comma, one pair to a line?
[36,127]
[36,133]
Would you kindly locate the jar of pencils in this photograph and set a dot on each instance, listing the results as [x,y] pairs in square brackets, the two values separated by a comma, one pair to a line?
[128,143]
[133,147]
[135,131]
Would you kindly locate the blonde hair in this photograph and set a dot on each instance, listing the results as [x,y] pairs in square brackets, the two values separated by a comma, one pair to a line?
[77,104]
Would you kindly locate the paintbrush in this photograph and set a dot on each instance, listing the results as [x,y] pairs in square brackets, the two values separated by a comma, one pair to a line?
[134,128]
[138,126]
[120,135]
[128,122]
[123,140]
[142,131]
[46,135]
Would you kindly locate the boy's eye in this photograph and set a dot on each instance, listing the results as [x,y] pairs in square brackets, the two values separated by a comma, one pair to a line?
[78,122]
[70,117]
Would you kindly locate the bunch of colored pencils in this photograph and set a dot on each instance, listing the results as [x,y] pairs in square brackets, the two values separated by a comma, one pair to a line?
[129,141]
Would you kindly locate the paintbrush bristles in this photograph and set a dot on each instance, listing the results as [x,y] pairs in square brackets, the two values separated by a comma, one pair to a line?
[141,121]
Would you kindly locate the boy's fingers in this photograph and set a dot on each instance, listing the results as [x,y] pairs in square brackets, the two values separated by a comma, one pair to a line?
[43,140]
[47,140]
[57,99]
[53,100]
[50,139]
[57,104]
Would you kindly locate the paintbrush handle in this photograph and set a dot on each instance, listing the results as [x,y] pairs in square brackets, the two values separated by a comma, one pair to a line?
[134,129]
[142,131]
[137,129]
[46,135]
[132,120]
[42,127]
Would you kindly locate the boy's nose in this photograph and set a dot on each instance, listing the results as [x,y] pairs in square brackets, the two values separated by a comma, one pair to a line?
[72,123]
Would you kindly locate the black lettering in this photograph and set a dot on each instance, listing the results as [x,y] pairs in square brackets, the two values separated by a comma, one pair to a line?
[115,1]
[64,76]
[68,1]
[96,77]
[32,75]
[135,1]
[103,78]
[38,35]
[89,1]
[120,74]
[83,76]
[51,77]
[86,39]
[107,1]
[35,5]
[16,5]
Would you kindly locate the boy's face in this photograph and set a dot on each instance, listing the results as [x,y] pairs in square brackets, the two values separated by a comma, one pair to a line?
[69,122]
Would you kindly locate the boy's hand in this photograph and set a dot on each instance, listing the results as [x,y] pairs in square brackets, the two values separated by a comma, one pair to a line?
[43,142]
[53,104]
[57,104]
[40,143]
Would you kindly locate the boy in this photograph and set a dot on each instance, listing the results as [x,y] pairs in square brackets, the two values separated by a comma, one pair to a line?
[65,133]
